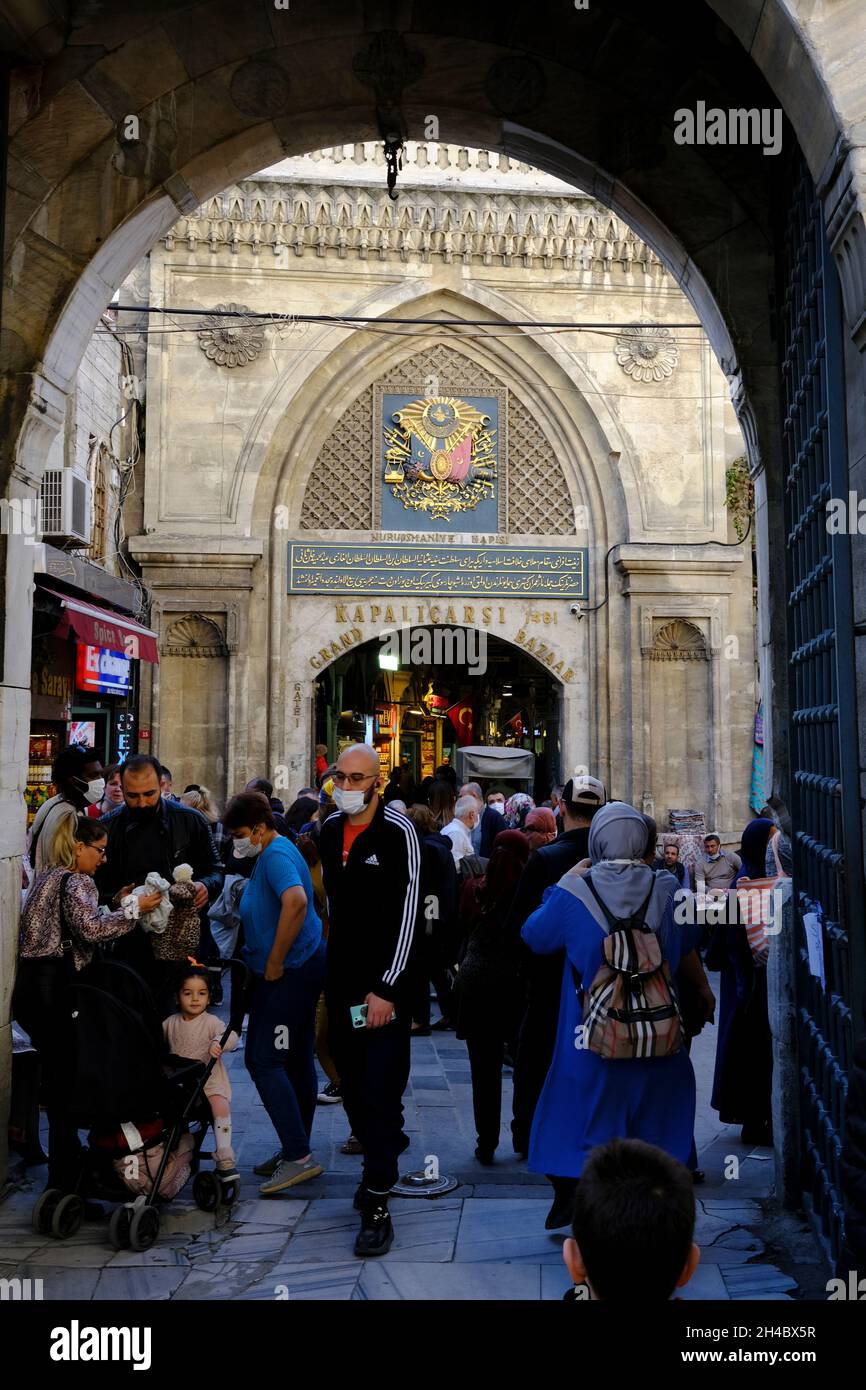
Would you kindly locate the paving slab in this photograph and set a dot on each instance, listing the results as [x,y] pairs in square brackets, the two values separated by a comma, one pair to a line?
[511,1229]
[434,1283]
[155,1282]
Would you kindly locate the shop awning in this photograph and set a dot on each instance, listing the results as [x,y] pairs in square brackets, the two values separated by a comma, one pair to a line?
[515,764]
[99,627]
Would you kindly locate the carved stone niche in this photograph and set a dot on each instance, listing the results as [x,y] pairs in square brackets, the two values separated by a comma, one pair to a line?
[679,640]
[194,634]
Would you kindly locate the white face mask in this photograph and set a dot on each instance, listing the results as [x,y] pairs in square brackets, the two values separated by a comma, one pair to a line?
[245,849]
[95,791]
[498,806]
[350,802]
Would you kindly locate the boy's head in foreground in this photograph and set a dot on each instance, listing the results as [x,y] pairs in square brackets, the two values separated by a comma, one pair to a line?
[634,1219]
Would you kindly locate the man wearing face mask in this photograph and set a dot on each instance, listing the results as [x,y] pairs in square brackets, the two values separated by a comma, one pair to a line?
[492,822]
[149,834]
[719,867]
[77,775]
[371,864]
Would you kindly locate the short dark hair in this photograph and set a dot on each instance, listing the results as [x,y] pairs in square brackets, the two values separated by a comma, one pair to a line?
[71,762]
[261,784]
[634,1220]
[138,762]
[165,772]
[249,808]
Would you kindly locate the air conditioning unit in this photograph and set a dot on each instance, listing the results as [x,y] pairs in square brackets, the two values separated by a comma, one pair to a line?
[64,506]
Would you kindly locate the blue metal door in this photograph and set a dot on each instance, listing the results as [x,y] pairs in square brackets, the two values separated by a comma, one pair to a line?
[825,795]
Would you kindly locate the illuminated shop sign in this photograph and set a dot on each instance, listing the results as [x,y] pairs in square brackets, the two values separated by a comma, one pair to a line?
[101,671]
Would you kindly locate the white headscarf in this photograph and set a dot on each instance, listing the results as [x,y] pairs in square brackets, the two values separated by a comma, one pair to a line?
[617,840]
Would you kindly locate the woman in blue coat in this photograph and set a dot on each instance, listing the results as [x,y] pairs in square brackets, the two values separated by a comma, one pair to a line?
[586,1099]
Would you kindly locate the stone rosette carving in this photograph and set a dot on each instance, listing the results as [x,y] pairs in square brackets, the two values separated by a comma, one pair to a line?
[231,342]
[647,353]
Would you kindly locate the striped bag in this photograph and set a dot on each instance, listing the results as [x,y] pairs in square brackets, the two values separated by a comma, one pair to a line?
[630,1010]
[758,908]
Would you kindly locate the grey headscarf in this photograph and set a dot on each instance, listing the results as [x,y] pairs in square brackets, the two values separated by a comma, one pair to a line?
[617,840]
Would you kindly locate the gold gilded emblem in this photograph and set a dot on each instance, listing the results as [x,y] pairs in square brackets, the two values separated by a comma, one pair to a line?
[440,456]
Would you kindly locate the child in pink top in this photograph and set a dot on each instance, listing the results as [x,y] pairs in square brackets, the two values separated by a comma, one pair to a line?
[194,1033]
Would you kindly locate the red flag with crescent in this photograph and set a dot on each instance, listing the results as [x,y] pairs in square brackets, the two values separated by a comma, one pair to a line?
[461,718]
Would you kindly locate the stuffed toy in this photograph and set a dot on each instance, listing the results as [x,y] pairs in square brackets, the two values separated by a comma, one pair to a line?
[157,920]
[181,937]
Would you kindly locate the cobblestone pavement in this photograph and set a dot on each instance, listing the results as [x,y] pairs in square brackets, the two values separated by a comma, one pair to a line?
[485,1240]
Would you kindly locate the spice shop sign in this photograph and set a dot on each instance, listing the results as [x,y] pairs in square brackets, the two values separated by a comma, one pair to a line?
[438,571]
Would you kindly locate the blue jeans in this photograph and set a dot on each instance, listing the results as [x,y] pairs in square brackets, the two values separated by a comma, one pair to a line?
[280,1050]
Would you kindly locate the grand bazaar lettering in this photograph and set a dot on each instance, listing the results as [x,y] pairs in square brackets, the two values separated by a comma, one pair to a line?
[423,613]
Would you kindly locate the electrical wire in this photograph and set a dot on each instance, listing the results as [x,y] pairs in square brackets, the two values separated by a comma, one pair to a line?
[693,545]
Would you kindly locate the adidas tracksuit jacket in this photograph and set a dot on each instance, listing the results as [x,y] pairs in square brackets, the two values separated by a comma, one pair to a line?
[372,905]
[373,911]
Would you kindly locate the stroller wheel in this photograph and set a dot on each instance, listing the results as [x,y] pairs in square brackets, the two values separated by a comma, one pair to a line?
[67,1216]
[44,1210]
[229,1192]
[144,1228]
[206,1191]
[119,1226]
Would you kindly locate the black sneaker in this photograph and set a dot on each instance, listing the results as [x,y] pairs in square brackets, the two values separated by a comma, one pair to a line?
[360,1197]
[376,1235]
[330,1095]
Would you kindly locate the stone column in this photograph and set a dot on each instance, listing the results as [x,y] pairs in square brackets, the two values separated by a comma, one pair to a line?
[45,416]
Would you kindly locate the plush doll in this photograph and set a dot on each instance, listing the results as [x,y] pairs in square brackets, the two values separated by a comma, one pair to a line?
[184,929]
[157,920]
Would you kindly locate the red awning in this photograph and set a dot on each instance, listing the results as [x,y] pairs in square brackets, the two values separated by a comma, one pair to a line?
[99,627]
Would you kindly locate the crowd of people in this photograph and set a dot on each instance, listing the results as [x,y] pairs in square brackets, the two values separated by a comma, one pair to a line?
[553,936]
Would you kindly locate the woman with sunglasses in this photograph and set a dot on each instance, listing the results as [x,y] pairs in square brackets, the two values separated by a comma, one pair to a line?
[60,926]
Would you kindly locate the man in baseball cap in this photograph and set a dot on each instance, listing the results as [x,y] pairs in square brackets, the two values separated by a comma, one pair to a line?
[585,792]
[582,796]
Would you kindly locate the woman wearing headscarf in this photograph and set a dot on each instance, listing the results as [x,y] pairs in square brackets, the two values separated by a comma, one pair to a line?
[742,1081]
[540,827]
[517,808]
[486,996]
[586,1099]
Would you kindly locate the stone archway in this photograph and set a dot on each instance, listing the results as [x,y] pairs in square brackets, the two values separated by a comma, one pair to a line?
[325,630]
[218,94]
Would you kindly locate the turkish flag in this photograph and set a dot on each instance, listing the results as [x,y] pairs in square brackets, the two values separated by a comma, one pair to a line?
[461,718]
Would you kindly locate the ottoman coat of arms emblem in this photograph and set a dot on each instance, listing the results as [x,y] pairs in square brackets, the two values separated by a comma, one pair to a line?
[440,456]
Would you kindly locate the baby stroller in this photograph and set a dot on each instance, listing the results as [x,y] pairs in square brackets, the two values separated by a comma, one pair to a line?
[139,1103]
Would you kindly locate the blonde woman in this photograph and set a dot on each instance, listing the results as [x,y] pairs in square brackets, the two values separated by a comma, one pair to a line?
[199,798]
[60,926]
